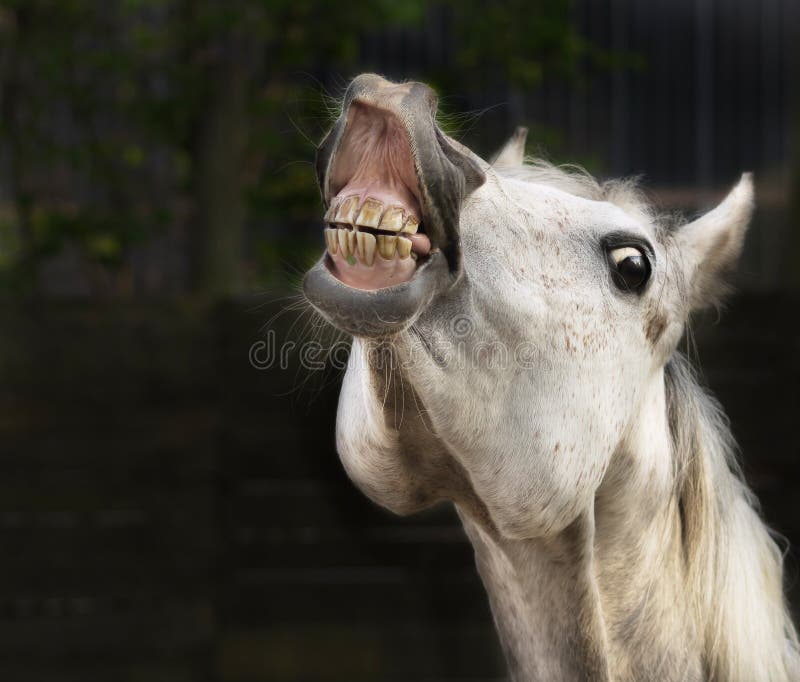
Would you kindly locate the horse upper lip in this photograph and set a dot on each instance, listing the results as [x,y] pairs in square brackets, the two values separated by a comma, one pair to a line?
[375,313]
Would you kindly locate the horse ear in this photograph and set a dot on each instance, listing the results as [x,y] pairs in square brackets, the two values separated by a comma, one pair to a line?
[710,246]
[512,153]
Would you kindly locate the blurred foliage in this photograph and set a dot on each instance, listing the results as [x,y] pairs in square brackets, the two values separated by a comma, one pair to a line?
[517,41]
[125,119]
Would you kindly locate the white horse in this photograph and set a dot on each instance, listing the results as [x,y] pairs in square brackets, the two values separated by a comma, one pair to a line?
[515,331]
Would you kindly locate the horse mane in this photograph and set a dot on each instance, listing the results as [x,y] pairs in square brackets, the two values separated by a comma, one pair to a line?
[733,565]
[734,568]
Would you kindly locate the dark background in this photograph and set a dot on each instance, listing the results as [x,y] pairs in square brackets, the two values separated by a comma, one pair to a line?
[168,510]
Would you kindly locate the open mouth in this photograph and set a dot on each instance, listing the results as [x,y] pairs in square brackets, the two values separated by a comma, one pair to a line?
[374,235]
[393,185]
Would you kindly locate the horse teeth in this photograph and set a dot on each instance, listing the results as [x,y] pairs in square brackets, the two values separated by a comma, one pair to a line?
[359,253]
[411,226]
[403,247]
[370,215]
[386,246]
[330,214]
[344,245]
[347,211]
[367,243]
[332,240]
[393,219]
[346,215]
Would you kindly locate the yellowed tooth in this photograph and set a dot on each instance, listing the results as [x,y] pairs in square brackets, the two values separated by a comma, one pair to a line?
[352,242]
[393,219]
[360,246]
[330,214]
[344,247]
[386,246]
[369,248]
[403,247]
[347,211]
[391,245]
[411,226]
[332,240]
[370,215]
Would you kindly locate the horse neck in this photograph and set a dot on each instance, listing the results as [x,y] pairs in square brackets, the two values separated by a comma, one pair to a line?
[671,575]
[603,599]
[544,601]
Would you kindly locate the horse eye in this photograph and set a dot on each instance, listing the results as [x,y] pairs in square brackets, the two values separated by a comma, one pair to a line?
[630,268]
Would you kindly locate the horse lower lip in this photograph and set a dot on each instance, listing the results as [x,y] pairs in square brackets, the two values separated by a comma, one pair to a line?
[378,312]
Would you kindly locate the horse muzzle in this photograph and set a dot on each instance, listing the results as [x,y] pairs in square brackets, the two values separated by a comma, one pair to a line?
[392,185]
